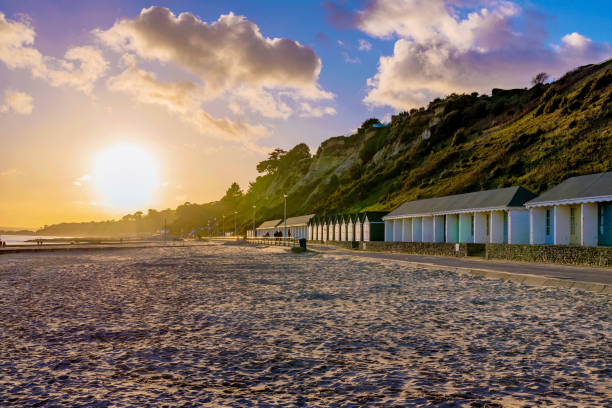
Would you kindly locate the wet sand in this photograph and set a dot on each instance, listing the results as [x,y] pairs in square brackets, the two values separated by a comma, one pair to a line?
[228,325]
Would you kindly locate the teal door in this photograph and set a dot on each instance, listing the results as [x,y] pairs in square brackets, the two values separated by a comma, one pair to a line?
[505,227]
[550,227]
[605,224]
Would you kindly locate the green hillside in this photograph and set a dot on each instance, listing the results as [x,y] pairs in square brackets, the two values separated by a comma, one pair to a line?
[534,137]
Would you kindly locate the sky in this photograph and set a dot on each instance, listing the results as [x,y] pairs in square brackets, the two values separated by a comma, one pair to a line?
[111,107]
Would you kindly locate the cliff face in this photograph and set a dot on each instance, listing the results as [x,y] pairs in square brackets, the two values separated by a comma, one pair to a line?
[534,137]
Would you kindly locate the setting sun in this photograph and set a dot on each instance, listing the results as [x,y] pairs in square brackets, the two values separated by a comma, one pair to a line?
[126,177]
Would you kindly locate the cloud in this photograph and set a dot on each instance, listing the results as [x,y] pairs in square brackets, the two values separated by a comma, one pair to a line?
[80,67]
[8,172]
[309,111]
[79,182]
[232,61]
[462,46]
[228,53]
[364,45]
[347,58]
[182,98]
[17,102]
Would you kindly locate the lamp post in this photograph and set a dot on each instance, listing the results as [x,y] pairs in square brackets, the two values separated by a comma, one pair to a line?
[223,225]
[285,196]
[215,226]
[235,229]
[254,234]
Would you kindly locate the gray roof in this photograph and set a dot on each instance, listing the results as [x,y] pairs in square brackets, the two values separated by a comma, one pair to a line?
[269,224]
[576,188]
[300,220]
[480,200]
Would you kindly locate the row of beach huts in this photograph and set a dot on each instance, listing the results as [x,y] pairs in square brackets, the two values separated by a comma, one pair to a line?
[576,212]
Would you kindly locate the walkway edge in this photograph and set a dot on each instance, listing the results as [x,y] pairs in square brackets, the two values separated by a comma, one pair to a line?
[525,279]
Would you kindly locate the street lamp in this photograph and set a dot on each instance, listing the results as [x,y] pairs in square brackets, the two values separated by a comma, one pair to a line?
[223,225]
[254,234]
[285,196]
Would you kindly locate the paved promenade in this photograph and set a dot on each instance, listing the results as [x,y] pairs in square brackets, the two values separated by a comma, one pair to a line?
[583,277]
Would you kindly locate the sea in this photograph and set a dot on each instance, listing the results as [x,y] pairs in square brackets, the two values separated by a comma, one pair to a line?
[21,239]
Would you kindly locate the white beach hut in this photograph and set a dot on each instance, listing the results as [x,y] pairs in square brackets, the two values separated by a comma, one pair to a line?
[297,227]
[576,212]
[492,216]
[350,228]
[267,227]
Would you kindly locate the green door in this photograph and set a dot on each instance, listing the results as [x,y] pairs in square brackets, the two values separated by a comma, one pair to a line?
[605,224]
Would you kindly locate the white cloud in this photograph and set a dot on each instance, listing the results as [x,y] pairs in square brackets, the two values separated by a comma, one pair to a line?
[438,52]
[364,45]
[182,98]
[8,172]
[347,58]
[79,182]
[17,102]
[228,53]
[80,68]
[309,111]
[233,62]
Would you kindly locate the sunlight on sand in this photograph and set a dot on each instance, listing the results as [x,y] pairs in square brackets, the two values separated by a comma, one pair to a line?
[224,325]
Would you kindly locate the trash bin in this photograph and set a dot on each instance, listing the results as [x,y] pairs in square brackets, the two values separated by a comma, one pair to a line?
[303,243]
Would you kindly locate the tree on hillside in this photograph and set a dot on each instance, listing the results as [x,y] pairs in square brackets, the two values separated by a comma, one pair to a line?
[539,79]
[270,165]
[369,123]
[233,194]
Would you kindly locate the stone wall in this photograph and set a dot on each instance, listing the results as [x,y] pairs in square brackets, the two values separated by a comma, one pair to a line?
[419,248]
[558,254]
[341,244]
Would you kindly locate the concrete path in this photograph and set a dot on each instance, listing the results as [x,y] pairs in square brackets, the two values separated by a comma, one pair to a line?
[583,277]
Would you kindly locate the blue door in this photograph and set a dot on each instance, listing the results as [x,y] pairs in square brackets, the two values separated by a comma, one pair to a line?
[550,227]
[605,224]
[505,227]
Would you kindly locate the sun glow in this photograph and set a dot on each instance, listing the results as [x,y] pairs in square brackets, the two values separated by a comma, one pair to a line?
[126,177]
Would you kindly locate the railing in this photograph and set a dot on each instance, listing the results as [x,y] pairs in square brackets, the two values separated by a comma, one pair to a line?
[225,237]
[275,241]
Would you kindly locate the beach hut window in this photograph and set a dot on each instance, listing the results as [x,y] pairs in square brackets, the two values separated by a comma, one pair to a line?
[547,222]
[572,221]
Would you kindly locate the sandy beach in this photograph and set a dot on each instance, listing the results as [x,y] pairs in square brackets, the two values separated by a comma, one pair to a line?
[229,325]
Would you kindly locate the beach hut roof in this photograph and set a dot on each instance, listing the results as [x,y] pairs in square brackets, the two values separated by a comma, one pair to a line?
[501,198]
[580,189]
[315,220]
[373,216]
[269,224]
[300,220]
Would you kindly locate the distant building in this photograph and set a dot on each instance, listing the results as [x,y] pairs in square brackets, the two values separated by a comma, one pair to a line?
[297,226]
[576,212]
[492,216]
[267,227]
